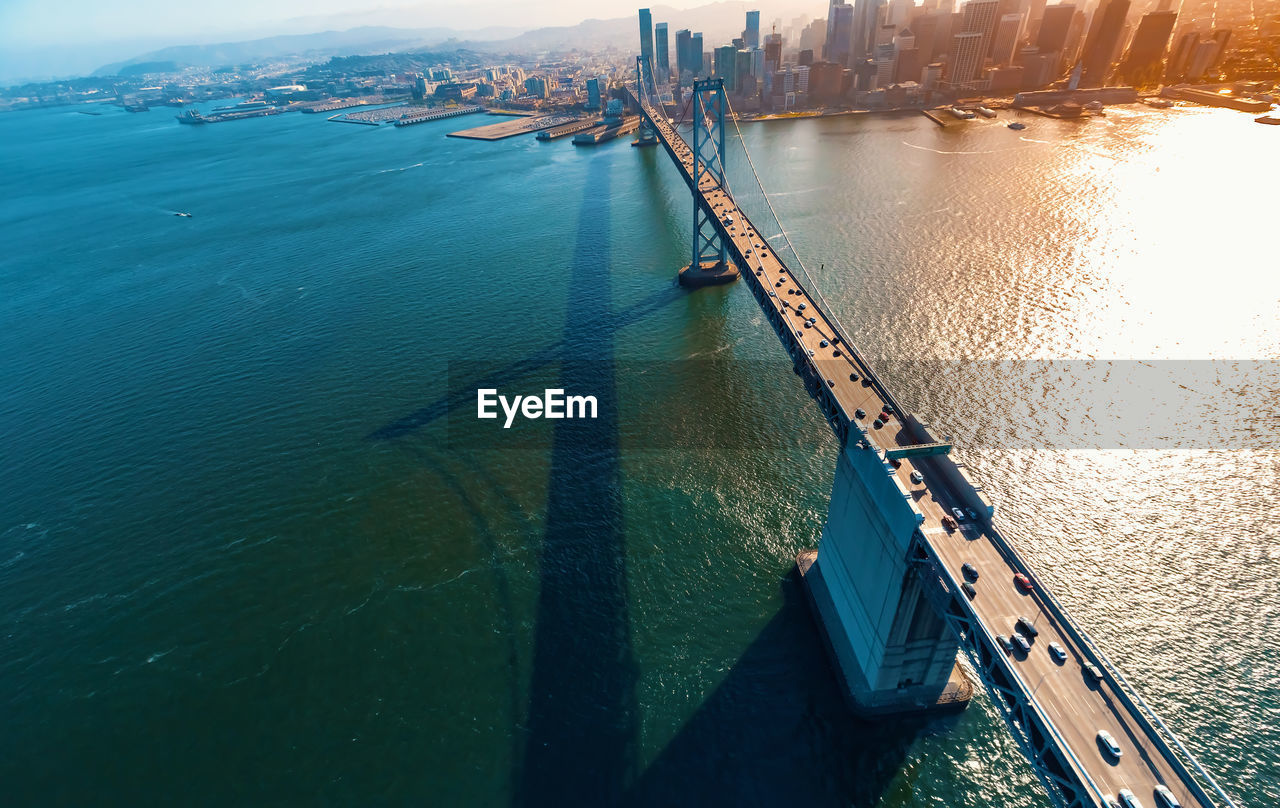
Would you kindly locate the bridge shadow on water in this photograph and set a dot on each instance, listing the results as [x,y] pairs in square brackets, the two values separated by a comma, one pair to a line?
[774,731]
[581,725]
[777,731]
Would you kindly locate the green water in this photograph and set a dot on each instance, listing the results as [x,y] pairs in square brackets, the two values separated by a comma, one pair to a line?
[252,549]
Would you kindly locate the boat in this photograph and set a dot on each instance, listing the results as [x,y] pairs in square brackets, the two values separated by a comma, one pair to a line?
[190,116]
[962,114]
[986,112]
[183,215]
[1158,103]
[1272,118]
[1019,125]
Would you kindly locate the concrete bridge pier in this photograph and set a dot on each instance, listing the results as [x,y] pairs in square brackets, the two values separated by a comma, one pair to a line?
[892,651]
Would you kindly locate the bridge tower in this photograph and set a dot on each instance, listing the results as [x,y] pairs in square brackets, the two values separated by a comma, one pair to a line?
[646,86]
[710,263]
[894,652]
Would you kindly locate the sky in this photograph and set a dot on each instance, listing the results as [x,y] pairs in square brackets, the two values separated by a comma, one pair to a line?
[45,39]
[32,23]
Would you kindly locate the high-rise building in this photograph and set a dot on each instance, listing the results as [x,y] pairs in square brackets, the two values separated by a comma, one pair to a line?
[1103,40]
[886,60]
[866,21]
[1144,62]
[930,76]
[751,36]
[1006,39]
[594,93]
[805,57]
[839,33]
[966,60]
[646,35]
[682,52]
[814,37]
[773,52]
[726,57]
[979,17]
[697,63]
[1054,26]
[662,52]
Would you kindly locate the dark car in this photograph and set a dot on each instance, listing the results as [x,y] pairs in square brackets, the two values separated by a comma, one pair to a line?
[1027,627]
[969,590]
[1005,643]
[970,571]
[859,413]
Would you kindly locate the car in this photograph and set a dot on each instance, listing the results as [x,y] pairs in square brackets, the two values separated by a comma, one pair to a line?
[779,283]
[1110,801]
[1027,627]
[969,590]
[958,514]
[772,293]
[1108,743]
[835,340]
[813,320]
[853,377]
[803,306]
[1057,653]
[811,352]
[970,571]
[1021,642]
[799,333]
[823,344]
[830,383]
[1128,800]
[917,477]
[808,324]
[896,462]
[836,352]
[949,522]
[859,413]
[972,513]
[878,423]
[1023,582]
[1004,643]
[1094,673]
[1165,797]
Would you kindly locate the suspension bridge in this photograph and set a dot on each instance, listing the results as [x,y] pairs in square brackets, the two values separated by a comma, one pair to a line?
[911,568]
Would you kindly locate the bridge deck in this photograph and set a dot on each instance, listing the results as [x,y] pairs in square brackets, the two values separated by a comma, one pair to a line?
[1077,706]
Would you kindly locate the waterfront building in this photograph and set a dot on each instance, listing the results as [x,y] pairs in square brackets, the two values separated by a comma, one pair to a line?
[726,66]
[966,61]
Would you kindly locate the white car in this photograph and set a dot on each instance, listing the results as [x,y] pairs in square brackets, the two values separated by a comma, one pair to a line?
[1109,743]
[1128,800]
[1165,797]
[959,514]
[917,477]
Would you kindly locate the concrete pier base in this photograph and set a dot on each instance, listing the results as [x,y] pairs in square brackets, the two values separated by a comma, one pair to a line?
[708,273]
[951,695]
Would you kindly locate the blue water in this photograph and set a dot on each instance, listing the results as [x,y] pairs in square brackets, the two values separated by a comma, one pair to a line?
[251,549]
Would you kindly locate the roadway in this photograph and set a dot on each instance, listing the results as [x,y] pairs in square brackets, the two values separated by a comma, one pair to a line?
[1076,706]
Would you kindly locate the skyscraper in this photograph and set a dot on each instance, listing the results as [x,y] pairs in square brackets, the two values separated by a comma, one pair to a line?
[751,36]
[966,60]
[1142,64]
[1006,39]
[727,66]
[696,65]
[1103,40]
[979,17]
[682,52]
[866,21]
[1054,25]
[662,52]
[839,33]
[646,35]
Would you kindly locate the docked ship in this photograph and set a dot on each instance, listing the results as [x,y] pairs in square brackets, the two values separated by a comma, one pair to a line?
[190,116]
[986,112]
[962,114]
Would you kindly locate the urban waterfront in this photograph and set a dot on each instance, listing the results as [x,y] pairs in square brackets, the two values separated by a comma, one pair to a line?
[241,558]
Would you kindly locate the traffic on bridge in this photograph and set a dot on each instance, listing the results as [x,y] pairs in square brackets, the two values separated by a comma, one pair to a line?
[1096,742]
